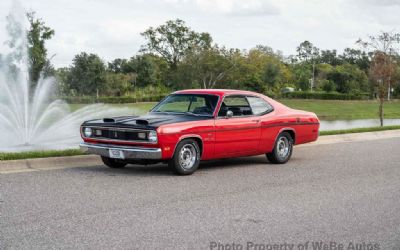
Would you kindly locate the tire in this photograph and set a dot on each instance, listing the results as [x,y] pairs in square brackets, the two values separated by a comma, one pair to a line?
[186,158]
[282,150]
[113,163]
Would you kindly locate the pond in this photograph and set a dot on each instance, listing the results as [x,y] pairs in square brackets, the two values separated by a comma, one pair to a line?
[349,124]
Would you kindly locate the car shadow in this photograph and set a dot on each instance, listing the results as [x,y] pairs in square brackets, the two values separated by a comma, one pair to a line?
[139,170]
[162,169]
[233,162]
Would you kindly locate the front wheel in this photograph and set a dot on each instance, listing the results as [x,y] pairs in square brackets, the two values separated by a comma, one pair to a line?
[282,150]
[113,163]
[186,158]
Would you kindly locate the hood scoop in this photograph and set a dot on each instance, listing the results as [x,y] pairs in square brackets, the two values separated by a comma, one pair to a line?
[142,122]
[109,120]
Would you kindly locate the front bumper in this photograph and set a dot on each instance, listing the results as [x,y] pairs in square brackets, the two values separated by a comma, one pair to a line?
[139,153]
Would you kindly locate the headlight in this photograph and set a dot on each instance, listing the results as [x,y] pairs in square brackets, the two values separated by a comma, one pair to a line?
[87,132]
[153,136]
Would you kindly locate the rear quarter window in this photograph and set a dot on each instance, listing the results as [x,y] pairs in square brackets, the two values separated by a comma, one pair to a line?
[258,105]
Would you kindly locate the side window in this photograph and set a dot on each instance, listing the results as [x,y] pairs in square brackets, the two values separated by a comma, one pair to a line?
[237,104]
[236,101]
[258,105]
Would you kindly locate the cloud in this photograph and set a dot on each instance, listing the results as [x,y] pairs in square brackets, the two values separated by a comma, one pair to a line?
[238,7]
[230,7]
[381,2]
[112,29]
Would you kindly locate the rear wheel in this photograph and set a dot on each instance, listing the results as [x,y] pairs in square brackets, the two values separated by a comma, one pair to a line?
[282,150]
[113,163]
[186,158]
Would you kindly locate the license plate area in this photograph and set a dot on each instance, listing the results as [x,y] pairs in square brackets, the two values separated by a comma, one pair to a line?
[116,154]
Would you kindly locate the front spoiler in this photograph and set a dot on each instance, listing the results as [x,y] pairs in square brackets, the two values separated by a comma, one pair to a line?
[134,153]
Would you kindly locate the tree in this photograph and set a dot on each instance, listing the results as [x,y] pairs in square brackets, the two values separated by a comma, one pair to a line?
[37,35]
[306,51]
[385,47]
[87,74]
[329,57]
[381,74]
[348,78]
[328,86]
[205,67]
[356,57]
[172,39]
[272,74]
[301,73]
[63,88]
[118,66]
[117,84]
[146,70]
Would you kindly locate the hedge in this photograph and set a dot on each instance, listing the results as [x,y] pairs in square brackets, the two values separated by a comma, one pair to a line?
[326,95]
[156,98]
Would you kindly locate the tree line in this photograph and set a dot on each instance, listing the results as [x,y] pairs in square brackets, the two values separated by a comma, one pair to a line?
[177,57]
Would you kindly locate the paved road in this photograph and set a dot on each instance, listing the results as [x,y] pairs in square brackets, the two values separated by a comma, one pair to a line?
[347,193]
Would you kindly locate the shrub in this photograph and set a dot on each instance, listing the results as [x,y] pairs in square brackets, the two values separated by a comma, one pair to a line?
[328,86]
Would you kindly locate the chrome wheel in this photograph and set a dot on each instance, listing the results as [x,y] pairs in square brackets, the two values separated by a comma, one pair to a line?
[282,150]
[187,156]
[283,147]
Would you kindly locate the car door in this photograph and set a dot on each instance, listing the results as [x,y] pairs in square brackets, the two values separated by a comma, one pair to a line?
[265,111]
[237,135]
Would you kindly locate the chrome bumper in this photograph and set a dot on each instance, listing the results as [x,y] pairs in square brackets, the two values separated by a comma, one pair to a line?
[129,152]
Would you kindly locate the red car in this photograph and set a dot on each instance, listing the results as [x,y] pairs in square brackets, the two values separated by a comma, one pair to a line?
[192,125]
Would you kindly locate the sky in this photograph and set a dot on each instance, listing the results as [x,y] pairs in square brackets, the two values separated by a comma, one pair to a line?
[111,28]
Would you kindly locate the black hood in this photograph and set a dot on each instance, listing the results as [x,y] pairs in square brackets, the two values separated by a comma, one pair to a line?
[150,120]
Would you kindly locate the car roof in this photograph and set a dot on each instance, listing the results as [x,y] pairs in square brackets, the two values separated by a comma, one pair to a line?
[220,92]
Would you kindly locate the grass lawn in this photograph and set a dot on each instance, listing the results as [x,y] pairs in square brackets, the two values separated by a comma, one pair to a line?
[358,130]
[142,107]
[325,109]
[38,154]
[345,110]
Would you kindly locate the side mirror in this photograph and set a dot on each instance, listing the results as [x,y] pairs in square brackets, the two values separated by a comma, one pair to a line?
[229,114]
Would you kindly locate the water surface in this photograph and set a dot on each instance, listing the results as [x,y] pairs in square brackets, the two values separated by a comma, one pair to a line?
[361,123]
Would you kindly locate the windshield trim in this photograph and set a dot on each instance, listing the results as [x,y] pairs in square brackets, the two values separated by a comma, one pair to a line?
[187,113]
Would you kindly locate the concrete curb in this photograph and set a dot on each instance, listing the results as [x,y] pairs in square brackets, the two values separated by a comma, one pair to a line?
[39,164]
[355,137]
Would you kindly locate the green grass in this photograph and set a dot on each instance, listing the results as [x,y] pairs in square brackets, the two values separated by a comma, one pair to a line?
[345,110]
[325,109]
[139,108]
[358,130]
[38,154]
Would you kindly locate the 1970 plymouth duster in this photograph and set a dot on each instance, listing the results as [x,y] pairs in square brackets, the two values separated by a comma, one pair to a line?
[192,125]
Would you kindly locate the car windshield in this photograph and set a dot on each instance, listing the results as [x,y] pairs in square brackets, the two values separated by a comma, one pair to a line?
[195,104]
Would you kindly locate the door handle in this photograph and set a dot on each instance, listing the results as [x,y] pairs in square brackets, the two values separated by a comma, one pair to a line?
[255,121]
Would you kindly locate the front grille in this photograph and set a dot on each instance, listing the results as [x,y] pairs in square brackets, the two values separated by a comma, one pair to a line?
[119,134]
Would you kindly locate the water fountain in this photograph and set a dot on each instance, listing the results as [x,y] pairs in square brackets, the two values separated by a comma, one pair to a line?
[32,118]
